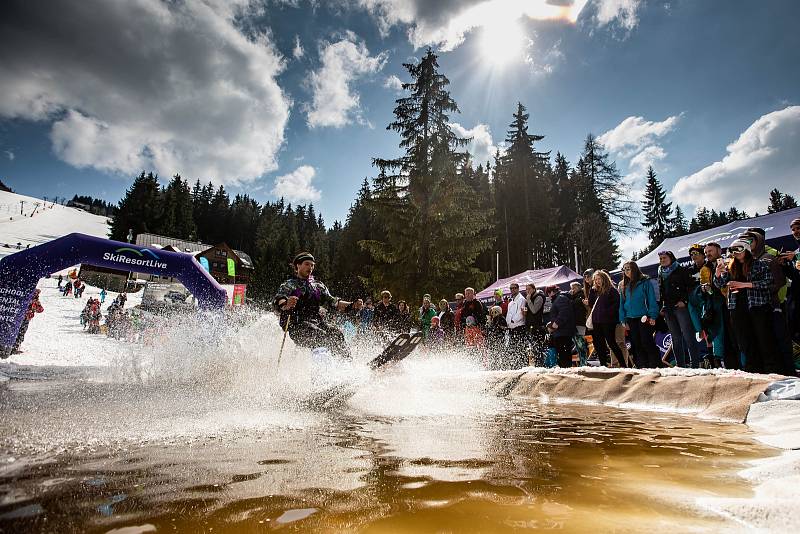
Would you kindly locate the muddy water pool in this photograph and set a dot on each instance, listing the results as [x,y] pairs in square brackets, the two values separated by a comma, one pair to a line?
[77,457]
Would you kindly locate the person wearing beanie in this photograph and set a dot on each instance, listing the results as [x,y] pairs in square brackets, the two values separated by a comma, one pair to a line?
[750,301]
[300,300]
[675,282]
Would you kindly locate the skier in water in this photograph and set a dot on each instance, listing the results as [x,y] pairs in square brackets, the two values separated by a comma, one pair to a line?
[299,300]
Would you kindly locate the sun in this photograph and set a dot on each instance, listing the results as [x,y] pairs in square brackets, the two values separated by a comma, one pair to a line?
[502,40]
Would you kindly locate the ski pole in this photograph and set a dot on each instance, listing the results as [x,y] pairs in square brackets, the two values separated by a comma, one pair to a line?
[285,331]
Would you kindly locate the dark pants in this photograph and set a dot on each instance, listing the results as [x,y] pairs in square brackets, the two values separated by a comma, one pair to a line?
[733,359]
[313,334]
[603,337]
[684,343]
[536,337]
[517,353]
[756,339]
[23,328]
[563,346]
[646,352]
[783,341]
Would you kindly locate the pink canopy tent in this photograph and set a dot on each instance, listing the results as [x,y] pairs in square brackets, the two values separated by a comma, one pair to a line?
[541,278]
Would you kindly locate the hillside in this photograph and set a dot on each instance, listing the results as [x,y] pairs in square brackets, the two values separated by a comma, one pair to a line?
[41,222]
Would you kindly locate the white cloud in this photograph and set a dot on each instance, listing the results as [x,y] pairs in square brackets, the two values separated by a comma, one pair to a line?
[621,11]
[445,23]
[765,156]
[297,51]
[634,133]
[543,63]
[334,101]
[10,155]
[481,147]
[649,156]
[181,89]
[630,244]
[297,186]
[394,83]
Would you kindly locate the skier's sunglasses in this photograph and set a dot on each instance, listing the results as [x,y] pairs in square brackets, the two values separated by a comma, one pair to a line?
[696,253]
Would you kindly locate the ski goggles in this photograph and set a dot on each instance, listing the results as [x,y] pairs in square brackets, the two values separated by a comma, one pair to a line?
[736,249]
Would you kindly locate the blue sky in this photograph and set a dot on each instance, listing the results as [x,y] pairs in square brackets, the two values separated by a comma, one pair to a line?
[292,97]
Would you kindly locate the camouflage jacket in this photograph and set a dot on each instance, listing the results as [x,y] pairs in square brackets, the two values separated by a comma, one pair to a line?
[311,296]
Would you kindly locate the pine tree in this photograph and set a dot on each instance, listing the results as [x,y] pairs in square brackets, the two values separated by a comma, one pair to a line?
[678,225]
[522,195]
[176,215]
[432,222]
[139,210]
[218,217]
[657,211]
[779,201]
[605,183]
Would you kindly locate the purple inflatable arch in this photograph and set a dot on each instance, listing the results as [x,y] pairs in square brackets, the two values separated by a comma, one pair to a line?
[20,272]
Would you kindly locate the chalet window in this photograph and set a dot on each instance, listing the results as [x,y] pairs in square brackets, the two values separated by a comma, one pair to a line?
[221,253]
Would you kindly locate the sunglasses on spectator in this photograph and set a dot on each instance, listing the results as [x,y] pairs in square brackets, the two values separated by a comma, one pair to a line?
[695,253]
[736,249]
[626,269]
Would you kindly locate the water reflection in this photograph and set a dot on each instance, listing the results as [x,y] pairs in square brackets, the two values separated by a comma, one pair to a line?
[513,466]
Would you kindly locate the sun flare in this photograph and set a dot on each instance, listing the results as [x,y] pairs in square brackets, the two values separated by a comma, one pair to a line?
[502,41]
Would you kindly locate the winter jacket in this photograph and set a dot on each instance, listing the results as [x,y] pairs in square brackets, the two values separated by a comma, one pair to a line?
[675,288]
[515,316]
[562,313]
[33,309]
[605,307]
[447,321]
[638,301]
[385,315]
[581,313]
[760,294]
[311,296]
[472,308]
[535,313]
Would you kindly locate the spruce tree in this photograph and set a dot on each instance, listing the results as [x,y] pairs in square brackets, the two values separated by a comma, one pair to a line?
[779,201]
[523,195]
[657,211]
[432,220]
[139,210]
[176,215]
[678,224]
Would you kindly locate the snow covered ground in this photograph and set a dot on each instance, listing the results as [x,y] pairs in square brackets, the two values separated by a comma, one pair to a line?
[56,336]
[42,221]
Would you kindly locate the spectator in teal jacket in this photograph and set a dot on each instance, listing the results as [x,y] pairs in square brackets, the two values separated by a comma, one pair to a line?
[638,311]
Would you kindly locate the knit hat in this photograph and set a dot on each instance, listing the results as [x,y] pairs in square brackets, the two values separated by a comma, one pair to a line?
[498,292]
[740,243]
[795,222]
[303,256]
[696,247]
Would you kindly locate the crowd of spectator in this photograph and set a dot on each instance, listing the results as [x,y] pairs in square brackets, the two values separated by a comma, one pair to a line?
[737,309]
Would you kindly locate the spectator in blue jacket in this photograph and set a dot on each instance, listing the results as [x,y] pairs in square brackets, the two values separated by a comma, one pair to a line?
[638,311]
[749,283]
[562,325]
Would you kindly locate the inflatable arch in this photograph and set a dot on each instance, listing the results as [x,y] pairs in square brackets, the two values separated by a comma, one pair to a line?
[20,272]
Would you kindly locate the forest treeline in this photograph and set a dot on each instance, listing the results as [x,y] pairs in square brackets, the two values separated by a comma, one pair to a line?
[430,220]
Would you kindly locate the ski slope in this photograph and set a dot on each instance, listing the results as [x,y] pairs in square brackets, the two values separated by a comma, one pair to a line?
[41,222]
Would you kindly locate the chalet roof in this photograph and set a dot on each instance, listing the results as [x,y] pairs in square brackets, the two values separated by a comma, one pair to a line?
[178,245]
